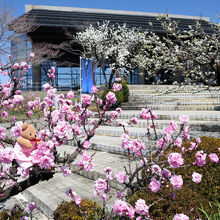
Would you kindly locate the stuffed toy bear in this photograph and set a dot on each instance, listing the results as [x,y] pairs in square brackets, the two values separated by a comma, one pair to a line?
[26,146]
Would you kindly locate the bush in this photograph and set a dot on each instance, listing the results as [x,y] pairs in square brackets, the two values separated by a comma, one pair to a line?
[125,90]
[69,211]
[192,195]
[169,202]
[14,214]
[119,96]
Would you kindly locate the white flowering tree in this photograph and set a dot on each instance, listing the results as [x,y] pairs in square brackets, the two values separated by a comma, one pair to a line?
[192,55]
[110,45]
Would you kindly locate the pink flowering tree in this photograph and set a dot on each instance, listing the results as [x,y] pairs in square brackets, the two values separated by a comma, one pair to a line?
[64,122]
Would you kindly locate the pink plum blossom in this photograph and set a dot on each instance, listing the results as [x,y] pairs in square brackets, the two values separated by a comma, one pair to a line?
[175,160]
[51,93]
[6,155]
[15,66]
[176,181]
[121,208]
[109,173]
[31,55]
[200,158]
[134,120]
[30,206]
[23,65]
[16,130]
[86,100]
[180,217]
[213,158]
[100,185]
[178,142]
[62,129]
[43,156]
[72,194]
[110,97]
[145,114]
[198,140]
[18,99]
[47,86]
[118,79]
[156,169]
[86,145]
[121,177]
[66,171]
[184,119]
[119,110]
[117,87]
[2,133]
[22,172]
[161,143]
[154,185]
[94,89]
[166,173]
[196,177]
[140,207]
[70,95]
[4,114]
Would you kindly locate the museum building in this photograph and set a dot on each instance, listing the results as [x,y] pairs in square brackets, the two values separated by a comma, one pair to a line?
[52,23]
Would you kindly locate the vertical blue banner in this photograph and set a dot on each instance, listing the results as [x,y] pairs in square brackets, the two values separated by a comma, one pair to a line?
[86,75]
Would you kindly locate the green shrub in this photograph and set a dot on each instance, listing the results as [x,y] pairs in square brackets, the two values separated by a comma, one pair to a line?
[69,211]
[173,202]
[119,96]
[13,214]
[192,195]
[125,90]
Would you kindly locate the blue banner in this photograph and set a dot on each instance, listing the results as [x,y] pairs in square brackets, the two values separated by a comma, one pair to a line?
[86,75]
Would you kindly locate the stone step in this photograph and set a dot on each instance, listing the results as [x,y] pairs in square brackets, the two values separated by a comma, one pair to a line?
[158,99]
[184,94]
[172,107]
[22,202]
[171,102]
[209,126]
[174,115]
[172,87]
[142,133]
[113,145]
[163,93]
[47,195]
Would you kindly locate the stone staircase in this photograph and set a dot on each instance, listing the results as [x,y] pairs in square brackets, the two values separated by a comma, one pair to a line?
[202,109]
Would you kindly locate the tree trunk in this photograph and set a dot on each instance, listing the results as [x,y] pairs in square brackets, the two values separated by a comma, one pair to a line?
[110,79]
[103,71]
[218,74]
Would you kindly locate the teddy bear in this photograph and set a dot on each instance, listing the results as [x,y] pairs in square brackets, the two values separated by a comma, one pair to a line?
[26,146]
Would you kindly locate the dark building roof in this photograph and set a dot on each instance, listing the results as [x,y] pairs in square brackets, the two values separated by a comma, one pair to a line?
[78,18]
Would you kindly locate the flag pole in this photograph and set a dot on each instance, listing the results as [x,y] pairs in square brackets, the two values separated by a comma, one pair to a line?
[80,79]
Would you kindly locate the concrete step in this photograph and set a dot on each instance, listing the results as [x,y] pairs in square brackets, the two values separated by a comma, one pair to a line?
[113,145]
[47,195]
[172,102]
[20,200]
[172,107]
[209,126]
[173,87]
[143,93]
[158,99]
[142,133]
[174,115]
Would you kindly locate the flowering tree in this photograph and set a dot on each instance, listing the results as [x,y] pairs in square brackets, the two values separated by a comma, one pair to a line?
[113,46]
[64,122]
[193,56]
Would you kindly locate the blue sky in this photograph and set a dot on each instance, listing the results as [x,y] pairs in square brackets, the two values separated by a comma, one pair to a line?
[205,8]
